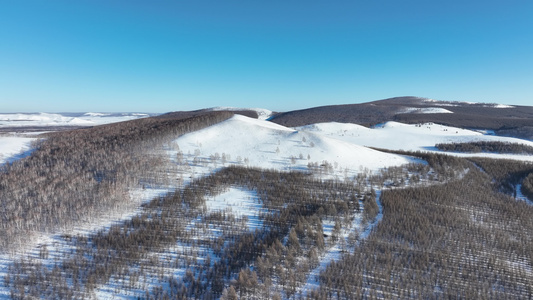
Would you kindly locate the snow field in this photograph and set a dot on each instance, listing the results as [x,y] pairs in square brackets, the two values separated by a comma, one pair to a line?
[39,119]
[425,110]
[54,119]
[14,147]
[457,103]
[240,203]
[418,137]
[267,145]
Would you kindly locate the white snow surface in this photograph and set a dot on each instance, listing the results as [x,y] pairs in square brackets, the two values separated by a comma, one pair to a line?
[457,103]
[45,119]
[14,147]
[91,114]
[418,137]
[240,203]
[268,145]
[425,110]
[56,119]
[503,106]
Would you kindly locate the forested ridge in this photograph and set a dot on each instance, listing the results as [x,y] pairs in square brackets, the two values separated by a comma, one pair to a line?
[506,174]
[511,121]
[71,176]
[486,146]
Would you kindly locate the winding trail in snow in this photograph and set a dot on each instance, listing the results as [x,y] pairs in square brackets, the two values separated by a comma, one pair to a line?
[334,252]
[520,196]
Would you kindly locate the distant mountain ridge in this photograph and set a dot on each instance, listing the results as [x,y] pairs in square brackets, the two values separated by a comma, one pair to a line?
[506,120]
[413,110]
[31,122]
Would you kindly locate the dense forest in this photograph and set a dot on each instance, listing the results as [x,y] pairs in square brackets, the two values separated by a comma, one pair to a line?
[522,132]
[294,205]
[455,230]
[511,121]
[460,239]
[74,176]
[486,146]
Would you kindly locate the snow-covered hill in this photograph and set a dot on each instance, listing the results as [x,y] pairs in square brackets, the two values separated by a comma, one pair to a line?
[418,137]
[264,144]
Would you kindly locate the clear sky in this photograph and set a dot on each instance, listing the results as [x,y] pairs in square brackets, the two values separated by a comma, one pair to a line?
[159,56]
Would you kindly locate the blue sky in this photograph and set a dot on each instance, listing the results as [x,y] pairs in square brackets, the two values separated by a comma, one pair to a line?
[159,56]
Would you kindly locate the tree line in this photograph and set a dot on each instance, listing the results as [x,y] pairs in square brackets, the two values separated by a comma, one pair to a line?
[486,146]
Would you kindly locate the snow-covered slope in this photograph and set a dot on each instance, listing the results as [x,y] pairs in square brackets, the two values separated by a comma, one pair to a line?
[71,119]
[13,148]
[459,103]
[399,136]
[268,145]
[425,110]
[41,119]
